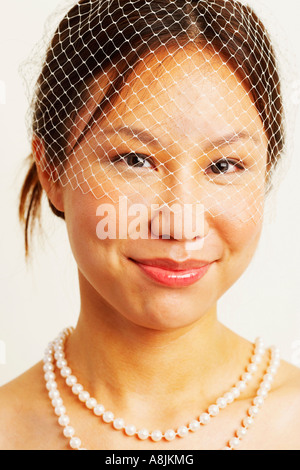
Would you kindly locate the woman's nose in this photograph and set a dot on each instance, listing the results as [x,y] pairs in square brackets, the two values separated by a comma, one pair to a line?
[181,216]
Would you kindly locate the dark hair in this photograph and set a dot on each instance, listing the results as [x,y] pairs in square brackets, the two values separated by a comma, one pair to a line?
[96,35]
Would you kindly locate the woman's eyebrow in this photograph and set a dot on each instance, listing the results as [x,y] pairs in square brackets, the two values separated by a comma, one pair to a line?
[234,137]
[146,137]
[142,135]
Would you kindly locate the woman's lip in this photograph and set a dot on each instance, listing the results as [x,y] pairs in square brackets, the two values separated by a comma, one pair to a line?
[173,265]
[174,278]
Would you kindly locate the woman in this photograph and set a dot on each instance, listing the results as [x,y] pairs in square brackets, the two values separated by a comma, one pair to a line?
[146,110]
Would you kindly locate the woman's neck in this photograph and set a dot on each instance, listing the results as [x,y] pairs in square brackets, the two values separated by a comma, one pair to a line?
[124,365]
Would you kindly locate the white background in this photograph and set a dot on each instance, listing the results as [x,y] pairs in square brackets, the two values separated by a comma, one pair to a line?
[38,300]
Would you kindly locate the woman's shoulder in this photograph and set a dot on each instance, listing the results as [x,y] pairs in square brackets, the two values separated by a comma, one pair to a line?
[283,407]
[288,381]
[291,370]
[24,385]
[23,409]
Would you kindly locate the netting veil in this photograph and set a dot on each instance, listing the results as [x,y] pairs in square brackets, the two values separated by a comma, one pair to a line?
[162,102]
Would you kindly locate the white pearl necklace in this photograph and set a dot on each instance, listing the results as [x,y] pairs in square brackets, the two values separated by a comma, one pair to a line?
[55,355]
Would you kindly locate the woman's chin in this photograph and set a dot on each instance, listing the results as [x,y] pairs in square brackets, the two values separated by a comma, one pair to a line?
[161,318]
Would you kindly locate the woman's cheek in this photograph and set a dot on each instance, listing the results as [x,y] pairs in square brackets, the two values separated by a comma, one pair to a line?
[240,233]
[81,221]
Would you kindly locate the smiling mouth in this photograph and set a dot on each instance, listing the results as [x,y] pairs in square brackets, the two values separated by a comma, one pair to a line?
[172,273]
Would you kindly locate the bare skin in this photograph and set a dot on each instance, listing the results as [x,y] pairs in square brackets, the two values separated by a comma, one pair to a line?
[158,356]
[28,421]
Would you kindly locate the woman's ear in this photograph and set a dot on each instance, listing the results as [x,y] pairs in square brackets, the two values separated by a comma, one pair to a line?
[47,174]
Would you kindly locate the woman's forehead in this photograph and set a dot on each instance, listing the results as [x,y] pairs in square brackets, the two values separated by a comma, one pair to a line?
[189,94]
[185,94]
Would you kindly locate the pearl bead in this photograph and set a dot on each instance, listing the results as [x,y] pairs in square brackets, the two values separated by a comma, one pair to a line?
[75,443]
[182,431]
[241,385]
[265,386]
[259,350]
[59,355]
[65,372]
[51,385]
[61,363]
[258,401]
[91,403]
[275,363]
[71,380]
[268,378]
[156,436]
[194,425]
[213,410]
[54,394]
[77,388]
[275,350]
[256,359]
[130,430]
[229,397]
[170,435]
[234,442]
[241,432]
[204,418]
[251,368]
[84,396]
[262,393]
[49,376]
[60,410]
[253,411]
[108,417]
[48,367]
[119,424]
[235,392]
[221,402]
[47,358]
[99,410]
[64,420]
[57,402]
[272,370]
[143,434]
[247,421]
[69,431]
[246,377]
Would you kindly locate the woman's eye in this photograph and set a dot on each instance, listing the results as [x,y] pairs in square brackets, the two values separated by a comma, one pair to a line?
[225,166]
[134,160]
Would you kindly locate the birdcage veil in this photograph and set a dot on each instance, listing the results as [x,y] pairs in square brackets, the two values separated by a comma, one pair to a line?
[162,102]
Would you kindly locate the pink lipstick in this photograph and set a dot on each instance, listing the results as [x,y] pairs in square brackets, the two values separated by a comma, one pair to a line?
[174,274]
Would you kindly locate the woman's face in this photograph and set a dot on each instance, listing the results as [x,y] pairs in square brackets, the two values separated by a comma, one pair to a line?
[185,131]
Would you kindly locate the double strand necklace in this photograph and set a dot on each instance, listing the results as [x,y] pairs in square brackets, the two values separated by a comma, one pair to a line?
[55,357]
